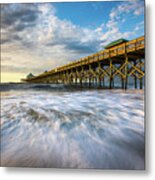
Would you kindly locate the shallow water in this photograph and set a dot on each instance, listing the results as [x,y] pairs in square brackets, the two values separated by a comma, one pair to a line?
[45,127]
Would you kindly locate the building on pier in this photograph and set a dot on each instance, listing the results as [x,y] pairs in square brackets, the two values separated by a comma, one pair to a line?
[29,76]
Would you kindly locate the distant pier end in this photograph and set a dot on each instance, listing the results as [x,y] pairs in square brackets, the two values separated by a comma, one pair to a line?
[120,58]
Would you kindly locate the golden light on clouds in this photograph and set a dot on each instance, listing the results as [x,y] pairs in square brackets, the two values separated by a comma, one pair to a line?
[11,77]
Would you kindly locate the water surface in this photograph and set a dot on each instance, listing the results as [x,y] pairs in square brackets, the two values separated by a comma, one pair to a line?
[57,126]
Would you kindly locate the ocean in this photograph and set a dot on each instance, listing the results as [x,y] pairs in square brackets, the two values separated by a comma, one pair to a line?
[60,126]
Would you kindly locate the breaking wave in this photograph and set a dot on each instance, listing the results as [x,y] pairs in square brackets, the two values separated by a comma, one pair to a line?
[79,129]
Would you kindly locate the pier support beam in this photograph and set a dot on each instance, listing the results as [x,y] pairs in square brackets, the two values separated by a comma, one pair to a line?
[89,82]
[75,79]
[110,75]
[122,78]
[123,84]
[80,81]
[100,85]
[99,74]
[141,79]
[89,78]
[141,83]
[96,82]
[135,78]
[126,72]
[103,83]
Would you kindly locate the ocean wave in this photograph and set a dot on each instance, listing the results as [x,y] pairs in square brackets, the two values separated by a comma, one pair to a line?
[85,129]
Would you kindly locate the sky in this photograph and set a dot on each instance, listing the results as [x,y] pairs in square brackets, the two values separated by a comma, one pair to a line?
[36,37]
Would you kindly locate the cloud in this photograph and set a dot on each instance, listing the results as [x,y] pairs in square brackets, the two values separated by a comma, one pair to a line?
[119,15]
[19,16]
[34,39]
[135,7]
[139,26]
[32,35]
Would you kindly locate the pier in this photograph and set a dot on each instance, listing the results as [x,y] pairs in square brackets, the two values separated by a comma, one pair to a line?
[121,60]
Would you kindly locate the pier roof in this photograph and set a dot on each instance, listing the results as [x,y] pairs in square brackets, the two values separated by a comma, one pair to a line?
[30,75]
[115,43]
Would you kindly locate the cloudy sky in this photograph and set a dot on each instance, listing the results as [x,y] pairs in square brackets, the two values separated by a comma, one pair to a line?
[40,36]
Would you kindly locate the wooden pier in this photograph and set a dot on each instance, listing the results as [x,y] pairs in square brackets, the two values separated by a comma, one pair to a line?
[120,59]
